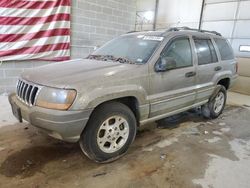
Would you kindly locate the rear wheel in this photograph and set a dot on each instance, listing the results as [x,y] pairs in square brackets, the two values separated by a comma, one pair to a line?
[109,133]
[216,104]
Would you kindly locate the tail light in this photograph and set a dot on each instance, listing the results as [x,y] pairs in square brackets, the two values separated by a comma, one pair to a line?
[237,67]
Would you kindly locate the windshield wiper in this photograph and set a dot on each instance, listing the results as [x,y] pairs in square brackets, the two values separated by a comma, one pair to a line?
[110,57]
[101,57]
[124,60]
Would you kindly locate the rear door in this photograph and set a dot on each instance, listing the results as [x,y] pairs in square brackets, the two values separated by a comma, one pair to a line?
[208,66]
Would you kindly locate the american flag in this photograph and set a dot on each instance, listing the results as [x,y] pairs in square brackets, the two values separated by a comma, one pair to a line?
[34,29]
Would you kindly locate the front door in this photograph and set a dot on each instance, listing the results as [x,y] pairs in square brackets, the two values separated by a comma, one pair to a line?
[173,78]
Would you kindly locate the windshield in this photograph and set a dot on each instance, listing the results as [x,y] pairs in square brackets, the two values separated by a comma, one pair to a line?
[134,49]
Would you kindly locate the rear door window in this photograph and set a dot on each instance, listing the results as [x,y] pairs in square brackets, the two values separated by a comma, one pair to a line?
[205,51]
[225,50]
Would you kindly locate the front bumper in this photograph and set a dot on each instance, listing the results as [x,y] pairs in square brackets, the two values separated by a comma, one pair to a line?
[63,125]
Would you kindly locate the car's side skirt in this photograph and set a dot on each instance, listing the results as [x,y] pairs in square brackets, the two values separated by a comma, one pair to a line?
[172,113]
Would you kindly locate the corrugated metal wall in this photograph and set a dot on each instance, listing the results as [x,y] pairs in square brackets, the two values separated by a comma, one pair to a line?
[178,13]
[144,6]
[232,19]
[171,13]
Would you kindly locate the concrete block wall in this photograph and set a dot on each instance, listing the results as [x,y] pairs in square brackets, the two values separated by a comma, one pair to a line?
[96,21]
[10,71]
[93,22]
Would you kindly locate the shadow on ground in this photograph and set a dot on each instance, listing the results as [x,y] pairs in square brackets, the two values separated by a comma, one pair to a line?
[31,160]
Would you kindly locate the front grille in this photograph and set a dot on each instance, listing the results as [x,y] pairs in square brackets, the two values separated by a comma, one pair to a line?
[27,92]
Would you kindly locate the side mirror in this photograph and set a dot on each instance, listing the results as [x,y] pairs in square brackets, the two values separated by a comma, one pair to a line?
[164,64]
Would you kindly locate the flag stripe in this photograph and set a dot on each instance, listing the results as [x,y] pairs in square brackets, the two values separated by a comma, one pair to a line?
[57,59]
[31,36]
[36,49]
[33,21]
[5,46]
[29,13]
[38,29]
[54,55]
[20,29]
[33,4]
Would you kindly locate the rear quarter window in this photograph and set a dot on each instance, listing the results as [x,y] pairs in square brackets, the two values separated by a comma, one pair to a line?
[225,50]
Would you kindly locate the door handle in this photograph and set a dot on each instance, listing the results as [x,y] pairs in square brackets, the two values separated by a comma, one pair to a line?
[190,74]
[217,68]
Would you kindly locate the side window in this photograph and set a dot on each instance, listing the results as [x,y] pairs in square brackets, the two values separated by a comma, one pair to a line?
[179,51]
[224,48]
[205,51]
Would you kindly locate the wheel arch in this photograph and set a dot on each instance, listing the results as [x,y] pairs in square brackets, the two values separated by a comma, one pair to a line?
[131,102]
[224,82]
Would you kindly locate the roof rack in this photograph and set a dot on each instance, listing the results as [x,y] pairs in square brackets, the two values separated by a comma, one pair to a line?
[191,29]
[132,32]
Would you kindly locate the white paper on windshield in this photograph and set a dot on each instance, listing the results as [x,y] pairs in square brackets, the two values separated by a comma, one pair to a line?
[140,36]
[155,38]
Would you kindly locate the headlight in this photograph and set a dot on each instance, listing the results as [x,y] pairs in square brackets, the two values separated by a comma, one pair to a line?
[58,99]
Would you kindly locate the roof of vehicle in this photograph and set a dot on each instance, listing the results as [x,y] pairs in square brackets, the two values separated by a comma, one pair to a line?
[184,30]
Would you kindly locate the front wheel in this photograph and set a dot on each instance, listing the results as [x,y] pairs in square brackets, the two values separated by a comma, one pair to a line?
[216,104]
[109,133]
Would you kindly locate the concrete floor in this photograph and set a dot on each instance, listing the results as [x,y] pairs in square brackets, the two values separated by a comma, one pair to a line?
[188,152]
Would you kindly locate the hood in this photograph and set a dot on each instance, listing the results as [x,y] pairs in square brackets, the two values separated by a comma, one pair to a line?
[70,73]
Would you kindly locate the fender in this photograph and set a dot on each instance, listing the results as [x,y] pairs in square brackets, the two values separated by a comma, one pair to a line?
[100,95]
[222,75]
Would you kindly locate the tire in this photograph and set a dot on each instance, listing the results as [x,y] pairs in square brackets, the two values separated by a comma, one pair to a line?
[109,132]
[216,104]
